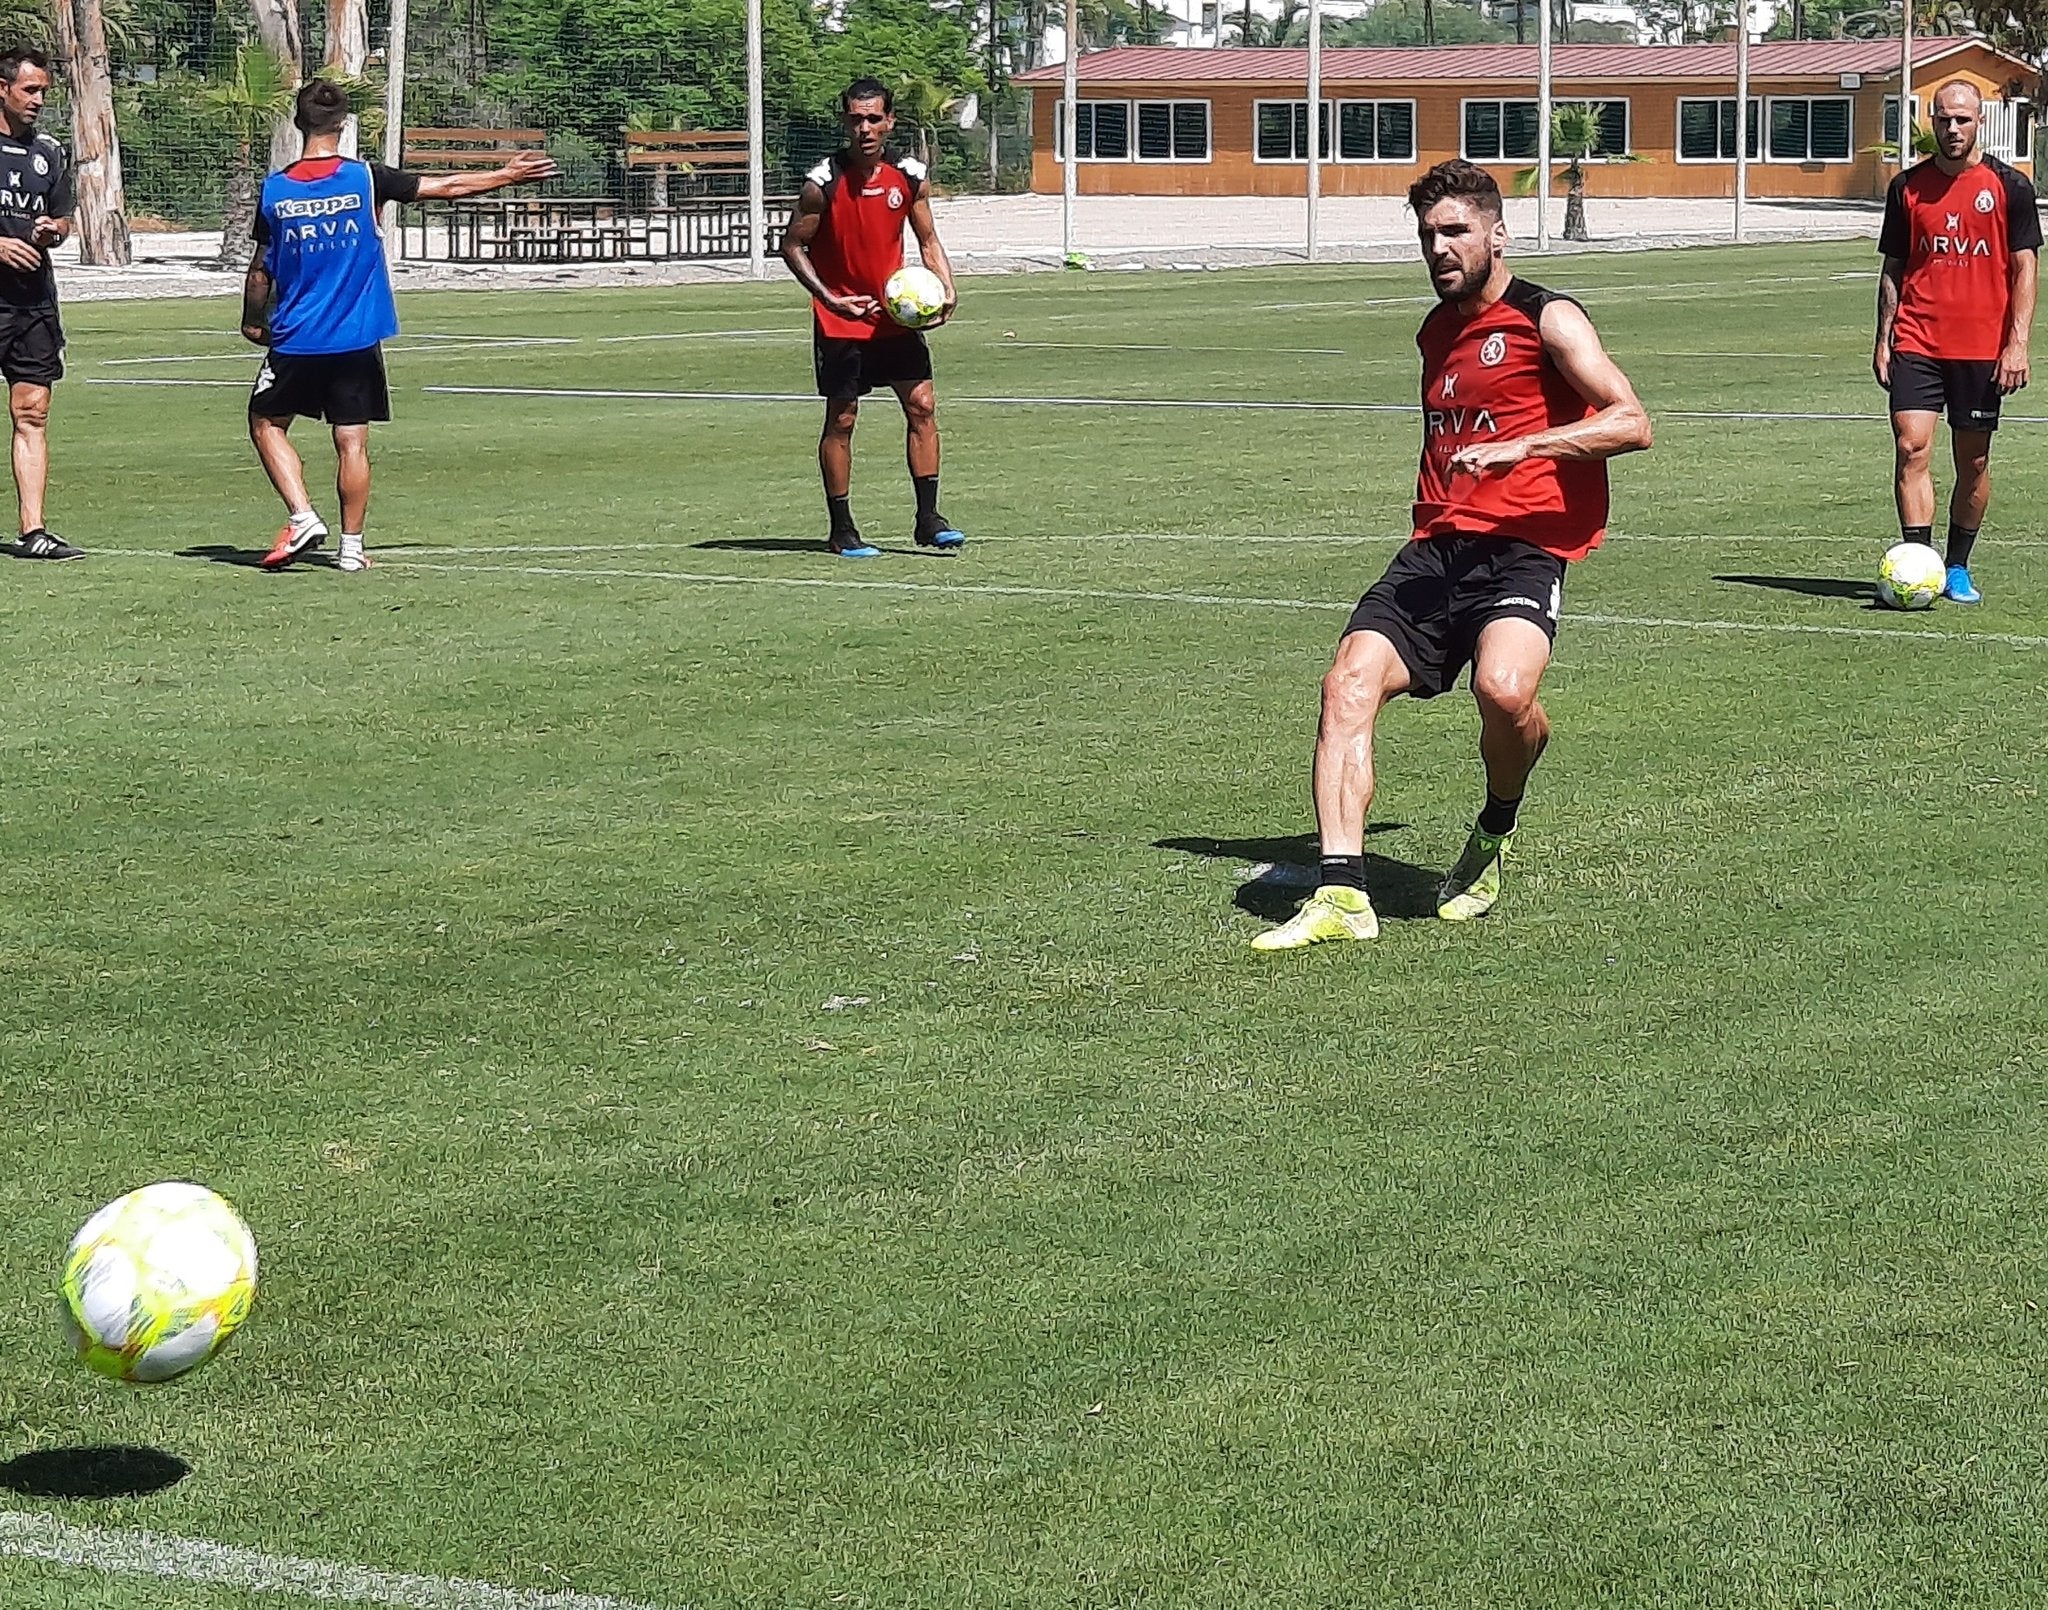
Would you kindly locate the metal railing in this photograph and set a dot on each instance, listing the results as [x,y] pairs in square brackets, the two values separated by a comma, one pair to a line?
[589,230]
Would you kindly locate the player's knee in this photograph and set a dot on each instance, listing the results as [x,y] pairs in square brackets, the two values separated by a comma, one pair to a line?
[1913,452]
[30,413]
[921,408]
[841,417]
[1353,690]
[1505,692]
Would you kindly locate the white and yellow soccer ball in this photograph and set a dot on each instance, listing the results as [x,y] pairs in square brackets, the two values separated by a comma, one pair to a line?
[1911,576]
[914,297]
[156,1282]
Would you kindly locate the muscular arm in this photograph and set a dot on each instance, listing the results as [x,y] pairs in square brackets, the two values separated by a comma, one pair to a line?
[529,167]
[1889,281]
[796,252]
[1620,424]
[2013,363]
[932,250]
[256,303]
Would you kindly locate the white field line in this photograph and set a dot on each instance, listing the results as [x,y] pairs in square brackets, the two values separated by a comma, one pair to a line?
[1164,346]
[1206,404]
[28,1536]
[395,349]
[1209,600]
[104,380]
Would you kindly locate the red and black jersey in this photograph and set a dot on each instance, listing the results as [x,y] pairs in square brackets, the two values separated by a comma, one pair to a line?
[1957,234]
[859,243]
[1486,377]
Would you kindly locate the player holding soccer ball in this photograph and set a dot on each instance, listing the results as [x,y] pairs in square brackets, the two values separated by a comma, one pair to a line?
[319,251]
[1521,409]
[844,243]
[1955,310]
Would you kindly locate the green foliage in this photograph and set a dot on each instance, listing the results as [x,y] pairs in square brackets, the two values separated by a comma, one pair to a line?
[172,161]
[250,100]
[1400,22]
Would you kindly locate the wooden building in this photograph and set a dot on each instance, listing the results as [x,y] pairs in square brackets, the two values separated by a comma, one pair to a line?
[1162,121]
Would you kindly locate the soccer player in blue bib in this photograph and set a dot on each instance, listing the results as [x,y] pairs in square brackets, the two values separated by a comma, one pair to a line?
[320,255]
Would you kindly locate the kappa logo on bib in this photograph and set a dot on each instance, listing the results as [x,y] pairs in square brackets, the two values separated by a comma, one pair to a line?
[1493,350]
[1985,201]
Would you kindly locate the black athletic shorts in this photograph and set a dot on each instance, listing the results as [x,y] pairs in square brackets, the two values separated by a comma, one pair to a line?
[1967,387]
[31,346]
[1440,593]
[343,388]
[848,368]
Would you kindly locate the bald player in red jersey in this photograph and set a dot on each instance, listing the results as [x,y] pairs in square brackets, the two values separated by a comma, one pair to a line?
[844,242]
[1521,409]
[1955,311]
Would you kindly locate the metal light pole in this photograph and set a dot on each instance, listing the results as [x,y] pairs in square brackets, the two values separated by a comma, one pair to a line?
[1741,117]
[1905,84]
[394,118]
[1069,122]
[1315,121]
[757,184]
[1542,125]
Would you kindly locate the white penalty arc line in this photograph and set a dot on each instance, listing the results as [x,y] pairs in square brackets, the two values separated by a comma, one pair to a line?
[27,1536]
[1212,600]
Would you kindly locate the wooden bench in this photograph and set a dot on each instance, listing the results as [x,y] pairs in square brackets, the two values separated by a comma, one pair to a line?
[468,148]
[697,153]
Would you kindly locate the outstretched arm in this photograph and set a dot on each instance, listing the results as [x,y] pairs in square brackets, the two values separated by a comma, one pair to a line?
[1619,424]
[932,250]
[529,167]
[796,252]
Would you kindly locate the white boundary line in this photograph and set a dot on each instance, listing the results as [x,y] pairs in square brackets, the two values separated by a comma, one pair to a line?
[109,380]
[27,1536]
[1223,600]
[1224,404]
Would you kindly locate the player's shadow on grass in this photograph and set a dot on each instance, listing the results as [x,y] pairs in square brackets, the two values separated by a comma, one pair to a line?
[221,553]
[763,544]
[109,1472]
[1400,889]
[1811,586]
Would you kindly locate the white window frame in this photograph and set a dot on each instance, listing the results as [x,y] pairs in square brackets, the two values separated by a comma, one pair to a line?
[1375,102]
[1888,110]
[2015,105]
[1756,127]
[1628,124]
[1130,106]
[1795,162]
[1329,106]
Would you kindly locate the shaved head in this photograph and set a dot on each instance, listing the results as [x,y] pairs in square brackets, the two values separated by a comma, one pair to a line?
[1961,86]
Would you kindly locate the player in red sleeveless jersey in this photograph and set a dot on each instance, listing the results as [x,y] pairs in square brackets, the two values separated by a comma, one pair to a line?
[1955,310]
[1521,409]
[843,244]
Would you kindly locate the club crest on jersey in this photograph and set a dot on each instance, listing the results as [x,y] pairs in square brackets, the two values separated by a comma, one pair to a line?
[895,198]
[1985,201]
[43,166]
[1493,350]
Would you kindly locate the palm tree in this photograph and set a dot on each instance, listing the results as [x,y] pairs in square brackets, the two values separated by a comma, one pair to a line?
[1574,136]
[924,106]
[248,103]
[1287,26]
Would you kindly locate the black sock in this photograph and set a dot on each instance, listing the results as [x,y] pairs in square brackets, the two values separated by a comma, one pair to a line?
[1499,816]
[1345,871]
[1922,534]
[841,511]
[927,489]
[1960,542]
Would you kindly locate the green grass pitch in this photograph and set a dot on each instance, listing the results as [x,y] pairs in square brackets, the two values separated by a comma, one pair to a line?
[1673,1238]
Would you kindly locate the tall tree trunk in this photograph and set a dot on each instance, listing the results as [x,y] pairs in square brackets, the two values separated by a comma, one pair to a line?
[1429,22]
[277,27]
[95,142]
[1521,29]
[1575,204]
[240,211]
[347,52]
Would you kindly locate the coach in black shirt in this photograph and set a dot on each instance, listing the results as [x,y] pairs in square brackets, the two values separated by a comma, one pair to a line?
[35,214]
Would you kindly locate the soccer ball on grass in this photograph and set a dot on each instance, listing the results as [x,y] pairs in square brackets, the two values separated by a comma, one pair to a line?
[1911,576]
[915,297]
[157,1281]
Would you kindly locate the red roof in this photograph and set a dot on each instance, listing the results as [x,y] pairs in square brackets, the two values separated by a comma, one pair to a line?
[1812,58]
